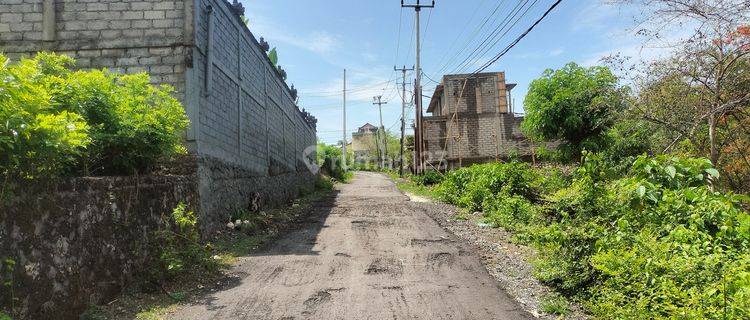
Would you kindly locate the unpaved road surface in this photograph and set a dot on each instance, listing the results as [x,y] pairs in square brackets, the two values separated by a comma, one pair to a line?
[367,254]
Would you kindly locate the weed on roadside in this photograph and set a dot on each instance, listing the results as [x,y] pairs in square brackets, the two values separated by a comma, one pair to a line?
[556,305]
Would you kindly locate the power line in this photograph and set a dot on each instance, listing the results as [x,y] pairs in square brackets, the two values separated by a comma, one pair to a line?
[338,92]
[514,43]
[466,25]
[496,40]
[398,37]
[398,45]
[428,78]
[505,24]
[471,38]
[426,27]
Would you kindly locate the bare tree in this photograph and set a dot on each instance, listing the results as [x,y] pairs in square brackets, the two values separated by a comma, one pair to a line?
[700,93]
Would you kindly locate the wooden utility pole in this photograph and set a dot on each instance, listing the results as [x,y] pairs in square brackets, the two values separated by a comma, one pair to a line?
[418,132]
[403,117]
[343,143]
[383,150]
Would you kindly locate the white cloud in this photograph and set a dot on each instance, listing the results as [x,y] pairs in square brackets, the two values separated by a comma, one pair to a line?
[369,56]
[597,16]
[318,41]
[361,87]
[556,52]
[642,50]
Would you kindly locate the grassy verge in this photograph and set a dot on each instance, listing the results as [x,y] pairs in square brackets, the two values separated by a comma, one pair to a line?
[650,240]
[407,185]
[149,301]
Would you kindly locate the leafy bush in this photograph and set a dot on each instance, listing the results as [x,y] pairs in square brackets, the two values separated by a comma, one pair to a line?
[57,121]
[428,178]
[36,138]
[329,159]
[323,183]
[647,241]
[657,244]
[180,250]
[627,140]
[508,211]
[470,187]
[555,305]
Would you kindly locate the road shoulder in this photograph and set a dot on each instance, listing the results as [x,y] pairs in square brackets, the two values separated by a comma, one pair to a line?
[506,261]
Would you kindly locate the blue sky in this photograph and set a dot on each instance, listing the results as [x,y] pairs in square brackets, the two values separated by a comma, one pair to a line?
[317,39]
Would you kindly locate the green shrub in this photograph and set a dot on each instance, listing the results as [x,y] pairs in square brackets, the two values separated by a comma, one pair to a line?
[555,305]
[179,247]
[36,138]
[57,121]
[657,244]
[8,285]
[428,178]
[648,241]
[508,211]
[470,187]
[329,159]
[627,140]
[549,180]
[323,183]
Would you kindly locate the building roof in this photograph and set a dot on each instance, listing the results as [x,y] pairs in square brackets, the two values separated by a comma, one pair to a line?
[367,127]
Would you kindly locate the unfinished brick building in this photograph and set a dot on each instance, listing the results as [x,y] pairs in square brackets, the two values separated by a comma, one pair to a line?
[474,127]
[364,143]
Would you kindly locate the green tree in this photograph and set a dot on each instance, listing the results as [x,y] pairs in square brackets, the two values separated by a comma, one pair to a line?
[698,95]
[327,152]
[574,104]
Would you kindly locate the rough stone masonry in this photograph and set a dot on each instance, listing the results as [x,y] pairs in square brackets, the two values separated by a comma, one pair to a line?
[247,133]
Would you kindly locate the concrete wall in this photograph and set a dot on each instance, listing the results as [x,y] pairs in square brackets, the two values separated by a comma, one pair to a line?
[251,137]
[122,35]
[483,93]
[246,130]
[80,241]
[483,137]
[364,144]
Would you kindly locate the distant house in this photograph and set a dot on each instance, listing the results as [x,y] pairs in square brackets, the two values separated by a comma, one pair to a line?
[474,127]
[365,143]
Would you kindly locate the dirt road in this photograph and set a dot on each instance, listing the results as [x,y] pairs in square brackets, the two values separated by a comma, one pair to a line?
[368,254]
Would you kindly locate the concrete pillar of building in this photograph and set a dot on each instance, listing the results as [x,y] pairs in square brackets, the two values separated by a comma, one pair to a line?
[49,21]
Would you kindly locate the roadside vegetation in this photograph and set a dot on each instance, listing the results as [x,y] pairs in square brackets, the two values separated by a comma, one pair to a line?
[58,122]
[651,242]
[329,161]
[55,121]
[642,210]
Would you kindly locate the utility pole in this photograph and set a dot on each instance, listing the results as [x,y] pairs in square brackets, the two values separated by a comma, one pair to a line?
[418,87]
[343,143]
[403,117]
[381,131]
